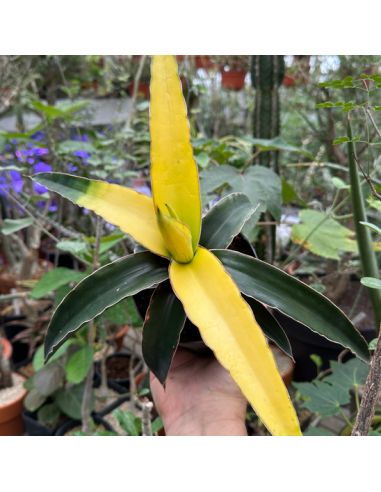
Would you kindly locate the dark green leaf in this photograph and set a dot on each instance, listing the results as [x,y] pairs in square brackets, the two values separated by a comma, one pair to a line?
[11,226]
[164,322]
[225,220]
[277,289]
[78,365]
[270,326]
[100,290]
[54,279]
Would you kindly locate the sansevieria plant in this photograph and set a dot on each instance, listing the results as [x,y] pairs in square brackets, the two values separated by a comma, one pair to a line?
[205,280]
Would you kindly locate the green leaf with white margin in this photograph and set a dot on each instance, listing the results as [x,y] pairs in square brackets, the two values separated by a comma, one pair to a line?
[78,365]
[10,226]
[54,279]
[38,358]
[277,289]
[322,235]
[371,282]
[100,290]
[225,221]
[270,326]
[164,322]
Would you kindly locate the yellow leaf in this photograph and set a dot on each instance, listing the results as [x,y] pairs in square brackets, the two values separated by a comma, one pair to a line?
[177,237]
[227,325]
[174,174]
[133,212]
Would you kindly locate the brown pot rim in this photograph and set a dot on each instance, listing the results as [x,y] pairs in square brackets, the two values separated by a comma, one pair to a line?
[7,407]
[7,347]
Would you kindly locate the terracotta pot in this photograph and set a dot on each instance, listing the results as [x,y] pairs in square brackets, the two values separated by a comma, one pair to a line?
[233,80]
[118,337]
[288,80]
[7,348]
[11,422]
[203,61]
[143,89]
[180,58]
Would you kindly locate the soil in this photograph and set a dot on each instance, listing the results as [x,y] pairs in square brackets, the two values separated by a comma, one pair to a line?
[8,395]
[118,368]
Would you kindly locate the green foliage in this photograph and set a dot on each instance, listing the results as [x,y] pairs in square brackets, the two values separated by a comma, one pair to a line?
[322,235]
[132,424]
[371,282]
[10,226]
[54,279]
[326,397]
[56,388]
[78,365]
[329,395]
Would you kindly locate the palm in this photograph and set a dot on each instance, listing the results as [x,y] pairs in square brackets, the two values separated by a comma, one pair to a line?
[197,388]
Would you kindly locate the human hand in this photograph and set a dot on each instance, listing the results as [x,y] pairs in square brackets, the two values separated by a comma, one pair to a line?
[200,398]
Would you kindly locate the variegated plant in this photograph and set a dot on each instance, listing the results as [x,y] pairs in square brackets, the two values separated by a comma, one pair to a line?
[206,280]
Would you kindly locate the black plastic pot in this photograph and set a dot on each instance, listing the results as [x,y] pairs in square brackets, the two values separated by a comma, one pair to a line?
[120,385]
[70,424]
[113,406]
[12,326]
[35,428]
[305,343]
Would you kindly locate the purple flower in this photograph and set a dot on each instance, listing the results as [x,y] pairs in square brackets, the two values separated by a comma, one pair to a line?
[82,154]
[40,151]
[40,167]
[16,182]
[71,168]
[38,136]
[52,208]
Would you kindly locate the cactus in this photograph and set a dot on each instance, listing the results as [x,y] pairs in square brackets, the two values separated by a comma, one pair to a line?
[267,72]
[368,258]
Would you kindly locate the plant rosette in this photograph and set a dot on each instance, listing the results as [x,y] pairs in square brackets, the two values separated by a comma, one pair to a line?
[11,407]
[194,276]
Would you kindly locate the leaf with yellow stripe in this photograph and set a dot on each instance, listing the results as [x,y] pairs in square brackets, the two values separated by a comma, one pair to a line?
[174,175]
[227,325]
[131,211]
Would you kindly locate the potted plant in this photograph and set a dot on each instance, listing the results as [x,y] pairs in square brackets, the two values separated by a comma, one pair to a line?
[233,72]
[12,394]
[204,286]
[204,61]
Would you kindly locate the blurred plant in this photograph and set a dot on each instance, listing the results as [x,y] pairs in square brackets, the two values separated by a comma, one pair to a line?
[336,394]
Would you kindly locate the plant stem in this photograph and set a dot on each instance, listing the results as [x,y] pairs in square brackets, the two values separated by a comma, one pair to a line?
[370,396]
[87,392]
[363,235]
